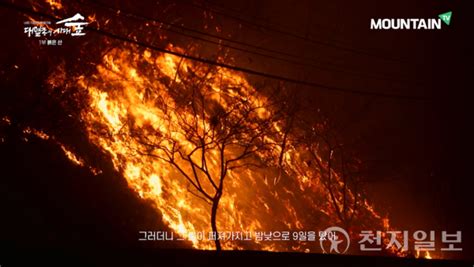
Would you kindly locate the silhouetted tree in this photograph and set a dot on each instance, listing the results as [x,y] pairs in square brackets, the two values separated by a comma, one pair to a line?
[209,131]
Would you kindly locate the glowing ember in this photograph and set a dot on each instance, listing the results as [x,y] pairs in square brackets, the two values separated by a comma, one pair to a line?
[72,157]
[423,254]
[67,152]
[55,4]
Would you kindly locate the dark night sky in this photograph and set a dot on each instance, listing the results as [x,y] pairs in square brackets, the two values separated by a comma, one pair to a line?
[419,150]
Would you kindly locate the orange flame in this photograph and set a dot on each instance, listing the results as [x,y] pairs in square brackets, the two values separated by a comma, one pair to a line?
[134,98]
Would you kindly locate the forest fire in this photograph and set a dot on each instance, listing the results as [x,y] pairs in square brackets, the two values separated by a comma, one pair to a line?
[203,144]
[212,141]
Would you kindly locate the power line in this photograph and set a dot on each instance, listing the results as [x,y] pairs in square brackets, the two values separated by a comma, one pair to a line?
[383,76]
[256,18]
[223,65]
[128,14]
[297,36]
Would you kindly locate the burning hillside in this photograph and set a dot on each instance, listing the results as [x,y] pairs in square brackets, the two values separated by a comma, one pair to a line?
[228,159]
[214,154]
[201,142]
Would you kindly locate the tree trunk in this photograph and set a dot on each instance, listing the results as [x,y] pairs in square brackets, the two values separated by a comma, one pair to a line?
[215,204]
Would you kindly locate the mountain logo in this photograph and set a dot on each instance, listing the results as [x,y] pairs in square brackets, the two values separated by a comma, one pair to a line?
[446,17]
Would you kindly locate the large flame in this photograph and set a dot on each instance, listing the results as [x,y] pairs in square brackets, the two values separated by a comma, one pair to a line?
[141,108]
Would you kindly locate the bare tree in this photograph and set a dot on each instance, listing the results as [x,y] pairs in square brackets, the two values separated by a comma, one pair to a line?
[208,132]
[339,173]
